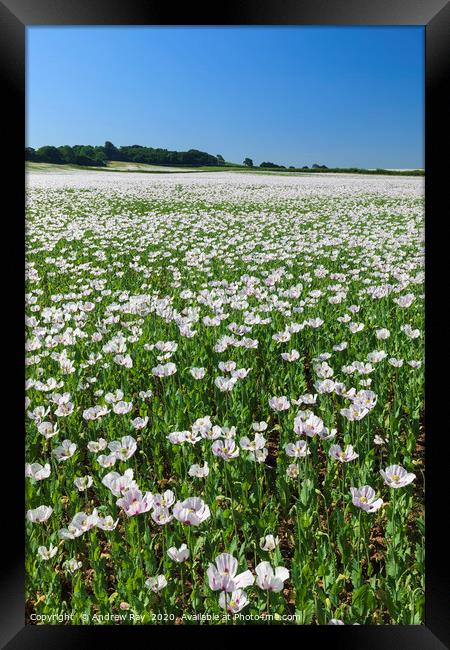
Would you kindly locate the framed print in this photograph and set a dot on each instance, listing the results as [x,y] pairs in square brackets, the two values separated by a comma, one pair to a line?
[231,246]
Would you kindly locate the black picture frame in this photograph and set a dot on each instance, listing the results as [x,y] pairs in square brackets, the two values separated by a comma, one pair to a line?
[15,16]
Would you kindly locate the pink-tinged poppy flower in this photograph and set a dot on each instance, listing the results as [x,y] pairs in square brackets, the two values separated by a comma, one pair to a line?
[222,576]
[325,386]
[227,366]
[48,429]
[213,433]
[71,565]
[39,414]
[354,413]
[252,445]
[279,403]
[396,476]
[308,398]
[85,522]
[82,483]
[71,532]
[161,515]
[397,363]
[157,583]
[225,384]
[291,356]
[259,455]
[298,449]
[164,370]
[97,445]
[365,399]
[233,603]
[282,337]
[192,437]
[323,370]
[135,503]
[270,579]
[198,373]
[164,500]
[65,450]
[119,484]
[178,437]
[95,412]
[311,425]
[376,356]
[240,373]
[202,426]
[228,433]
[107,460]
[192,511]
[36,471]
[326,434]
[139,423]
[107,523]
[114,397]
[364,498]
[259,426]
[47,553]
[40,514]
[314,322]
[124,448]
[198,471]
[269,543]
[178,554]
[343,456]
[405,300]
[225,449]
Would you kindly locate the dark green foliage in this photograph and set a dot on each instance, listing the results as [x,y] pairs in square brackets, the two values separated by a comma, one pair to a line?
[271,165]
[66,155]
[49,154]
[30,154]
[138,154]
[248,162]
[87,155]
[112,152]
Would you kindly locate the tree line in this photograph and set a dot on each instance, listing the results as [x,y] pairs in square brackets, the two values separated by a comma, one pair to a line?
[93,156]
[248,162]
[98,156]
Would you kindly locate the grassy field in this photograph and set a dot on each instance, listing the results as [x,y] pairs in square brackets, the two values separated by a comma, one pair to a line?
[224,399]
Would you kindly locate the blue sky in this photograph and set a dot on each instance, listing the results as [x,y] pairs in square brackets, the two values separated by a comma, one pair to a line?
[340,96]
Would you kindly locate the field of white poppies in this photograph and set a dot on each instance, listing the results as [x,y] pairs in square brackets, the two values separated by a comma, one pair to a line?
[224,399]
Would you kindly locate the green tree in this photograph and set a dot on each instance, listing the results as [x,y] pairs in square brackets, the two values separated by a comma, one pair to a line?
[30,154]
[111,152]
[269,165]
[67,154]
[49,154]
[248,162]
